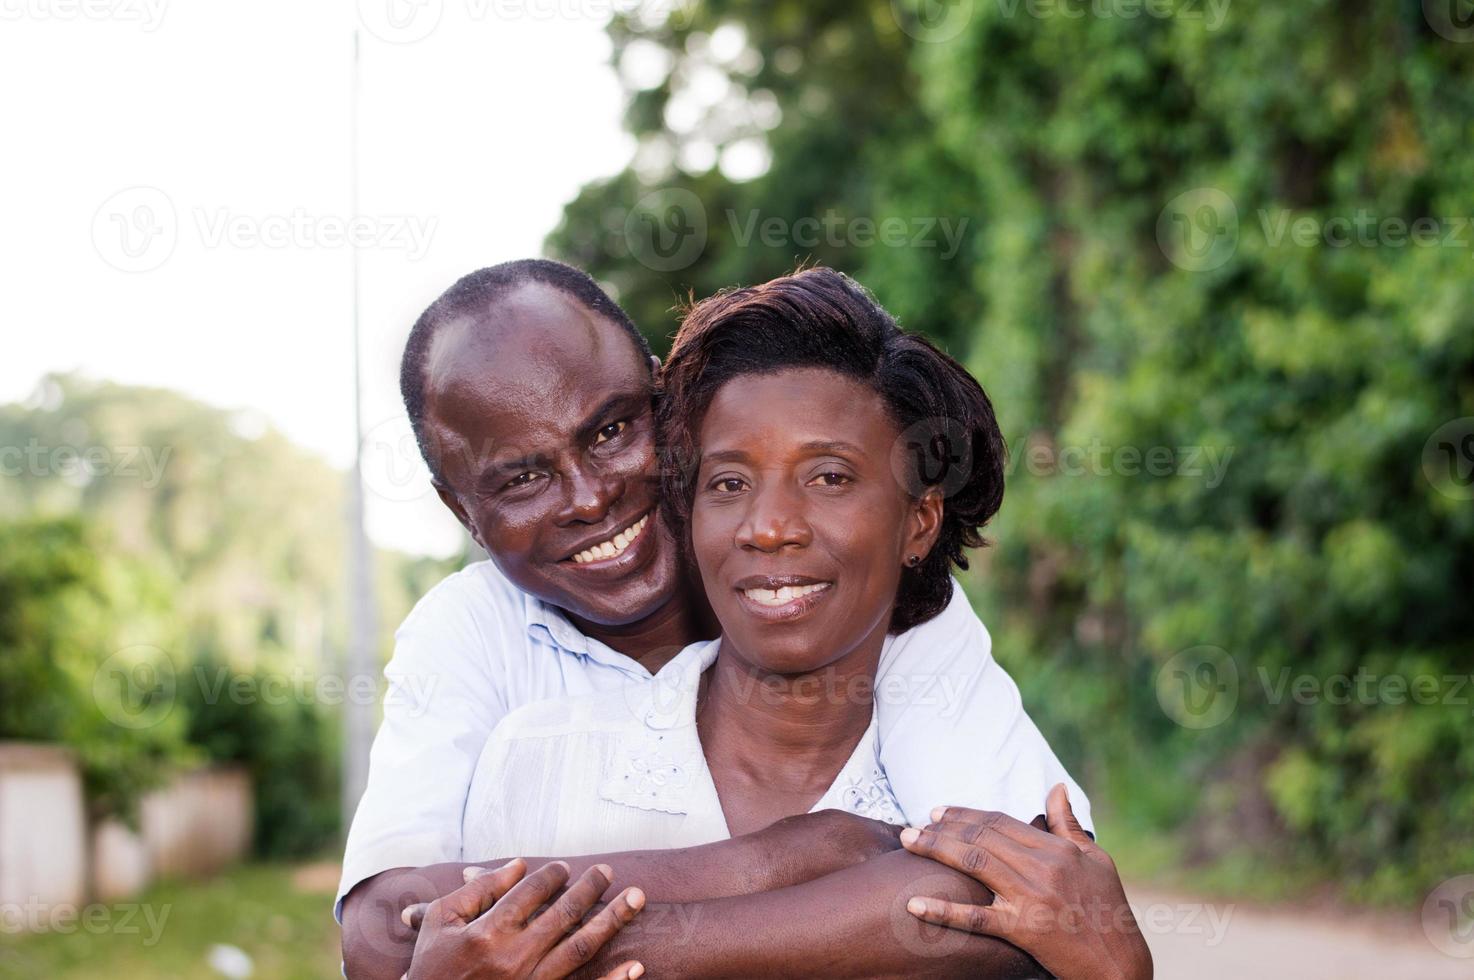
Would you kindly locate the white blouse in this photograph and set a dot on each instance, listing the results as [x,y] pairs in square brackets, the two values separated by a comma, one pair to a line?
[623,770]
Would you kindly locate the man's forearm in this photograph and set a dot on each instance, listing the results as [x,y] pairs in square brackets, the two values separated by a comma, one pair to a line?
[852,923]
[376,943]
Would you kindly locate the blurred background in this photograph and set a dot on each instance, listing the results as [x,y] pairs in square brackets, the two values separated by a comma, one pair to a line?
[1213,260]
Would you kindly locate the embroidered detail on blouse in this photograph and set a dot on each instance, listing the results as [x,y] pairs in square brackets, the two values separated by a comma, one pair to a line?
[650,773]
[868,793]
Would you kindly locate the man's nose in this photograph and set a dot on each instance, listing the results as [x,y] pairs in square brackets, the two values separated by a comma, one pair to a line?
[589,493]
[775,518]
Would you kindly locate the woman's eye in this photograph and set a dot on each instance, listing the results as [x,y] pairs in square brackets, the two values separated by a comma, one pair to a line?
[609,432]
[728,484]
[830,479]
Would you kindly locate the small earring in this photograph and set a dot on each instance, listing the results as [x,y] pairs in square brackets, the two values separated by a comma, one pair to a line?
[913,560]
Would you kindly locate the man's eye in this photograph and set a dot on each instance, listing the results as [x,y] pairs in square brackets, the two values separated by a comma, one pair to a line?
[729,484]
[830,478]
[523,479]
[609,432]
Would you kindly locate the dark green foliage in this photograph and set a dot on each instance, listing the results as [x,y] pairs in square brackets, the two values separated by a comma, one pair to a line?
[1314,371]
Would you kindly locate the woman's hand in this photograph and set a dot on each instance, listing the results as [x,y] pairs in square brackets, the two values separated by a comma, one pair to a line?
[490,927]
[1057,894]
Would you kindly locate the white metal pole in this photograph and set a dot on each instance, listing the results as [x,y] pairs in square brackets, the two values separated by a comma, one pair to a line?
[358,713]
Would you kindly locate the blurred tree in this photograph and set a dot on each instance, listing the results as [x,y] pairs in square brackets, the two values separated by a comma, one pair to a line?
[154,552]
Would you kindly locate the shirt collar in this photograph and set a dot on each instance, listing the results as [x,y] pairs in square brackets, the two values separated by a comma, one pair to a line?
[549,624]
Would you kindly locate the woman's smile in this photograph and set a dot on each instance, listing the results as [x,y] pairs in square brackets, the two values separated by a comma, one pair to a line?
[782,598]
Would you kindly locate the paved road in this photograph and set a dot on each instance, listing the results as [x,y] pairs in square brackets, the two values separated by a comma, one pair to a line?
[1193,940]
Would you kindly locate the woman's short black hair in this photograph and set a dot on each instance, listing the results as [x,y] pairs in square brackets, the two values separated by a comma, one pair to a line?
[821,318]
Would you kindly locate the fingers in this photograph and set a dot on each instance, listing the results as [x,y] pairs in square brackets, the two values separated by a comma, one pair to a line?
[1061,817]
[472,899]
[625,971]
[983,920]
[961,821]
[568,911]
[527,896]
[982,858]
[580,947]
[414,915]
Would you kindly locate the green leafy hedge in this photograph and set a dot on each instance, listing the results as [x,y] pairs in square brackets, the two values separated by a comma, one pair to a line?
[1132,282]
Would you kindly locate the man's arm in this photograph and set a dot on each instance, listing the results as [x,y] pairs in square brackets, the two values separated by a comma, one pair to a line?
[852,923]
[953,728]
[378,943]
[445,696]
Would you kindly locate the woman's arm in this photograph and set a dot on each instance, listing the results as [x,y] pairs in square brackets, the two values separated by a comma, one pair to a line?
[852,923]
[378,943]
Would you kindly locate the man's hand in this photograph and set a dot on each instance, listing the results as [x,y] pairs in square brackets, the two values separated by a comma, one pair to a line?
[1057,894]
[490,928]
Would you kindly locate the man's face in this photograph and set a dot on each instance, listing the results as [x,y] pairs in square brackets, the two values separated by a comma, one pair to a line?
[539,417]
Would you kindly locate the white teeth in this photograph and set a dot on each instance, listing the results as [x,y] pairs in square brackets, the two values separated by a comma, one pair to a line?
[615,545]
[784,595]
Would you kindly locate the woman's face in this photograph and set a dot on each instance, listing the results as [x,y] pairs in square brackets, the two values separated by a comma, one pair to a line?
[799,527]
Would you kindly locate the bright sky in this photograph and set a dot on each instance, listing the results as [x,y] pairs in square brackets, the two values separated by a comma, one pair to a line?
[176,195]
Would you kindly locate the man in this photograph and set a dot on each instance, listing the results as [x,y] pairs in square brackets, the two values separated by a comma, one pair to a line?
[530,394]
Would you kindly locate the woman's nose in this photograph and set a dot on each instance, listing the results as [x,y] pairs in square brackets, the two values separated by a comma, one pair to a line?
[774,519]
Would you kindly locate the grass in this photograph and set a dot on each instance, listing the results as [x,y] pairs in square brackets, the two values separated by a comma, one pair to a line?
[280,915]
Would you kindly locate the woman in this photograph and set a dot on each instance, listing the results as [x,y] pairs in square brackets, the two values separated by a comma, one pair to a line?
[820,524]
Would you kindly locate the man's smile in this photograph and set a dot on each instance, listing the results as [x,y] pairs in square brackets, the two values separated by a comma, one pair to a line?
[610,548]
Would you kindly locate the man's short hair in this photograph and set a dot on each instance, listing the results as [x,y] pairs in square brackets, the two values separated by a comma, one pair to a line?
[476,295]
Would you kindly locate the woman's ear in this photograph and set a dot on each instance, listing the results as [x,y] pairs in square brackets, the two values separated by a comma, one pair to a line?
[923,525]
[654,368]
